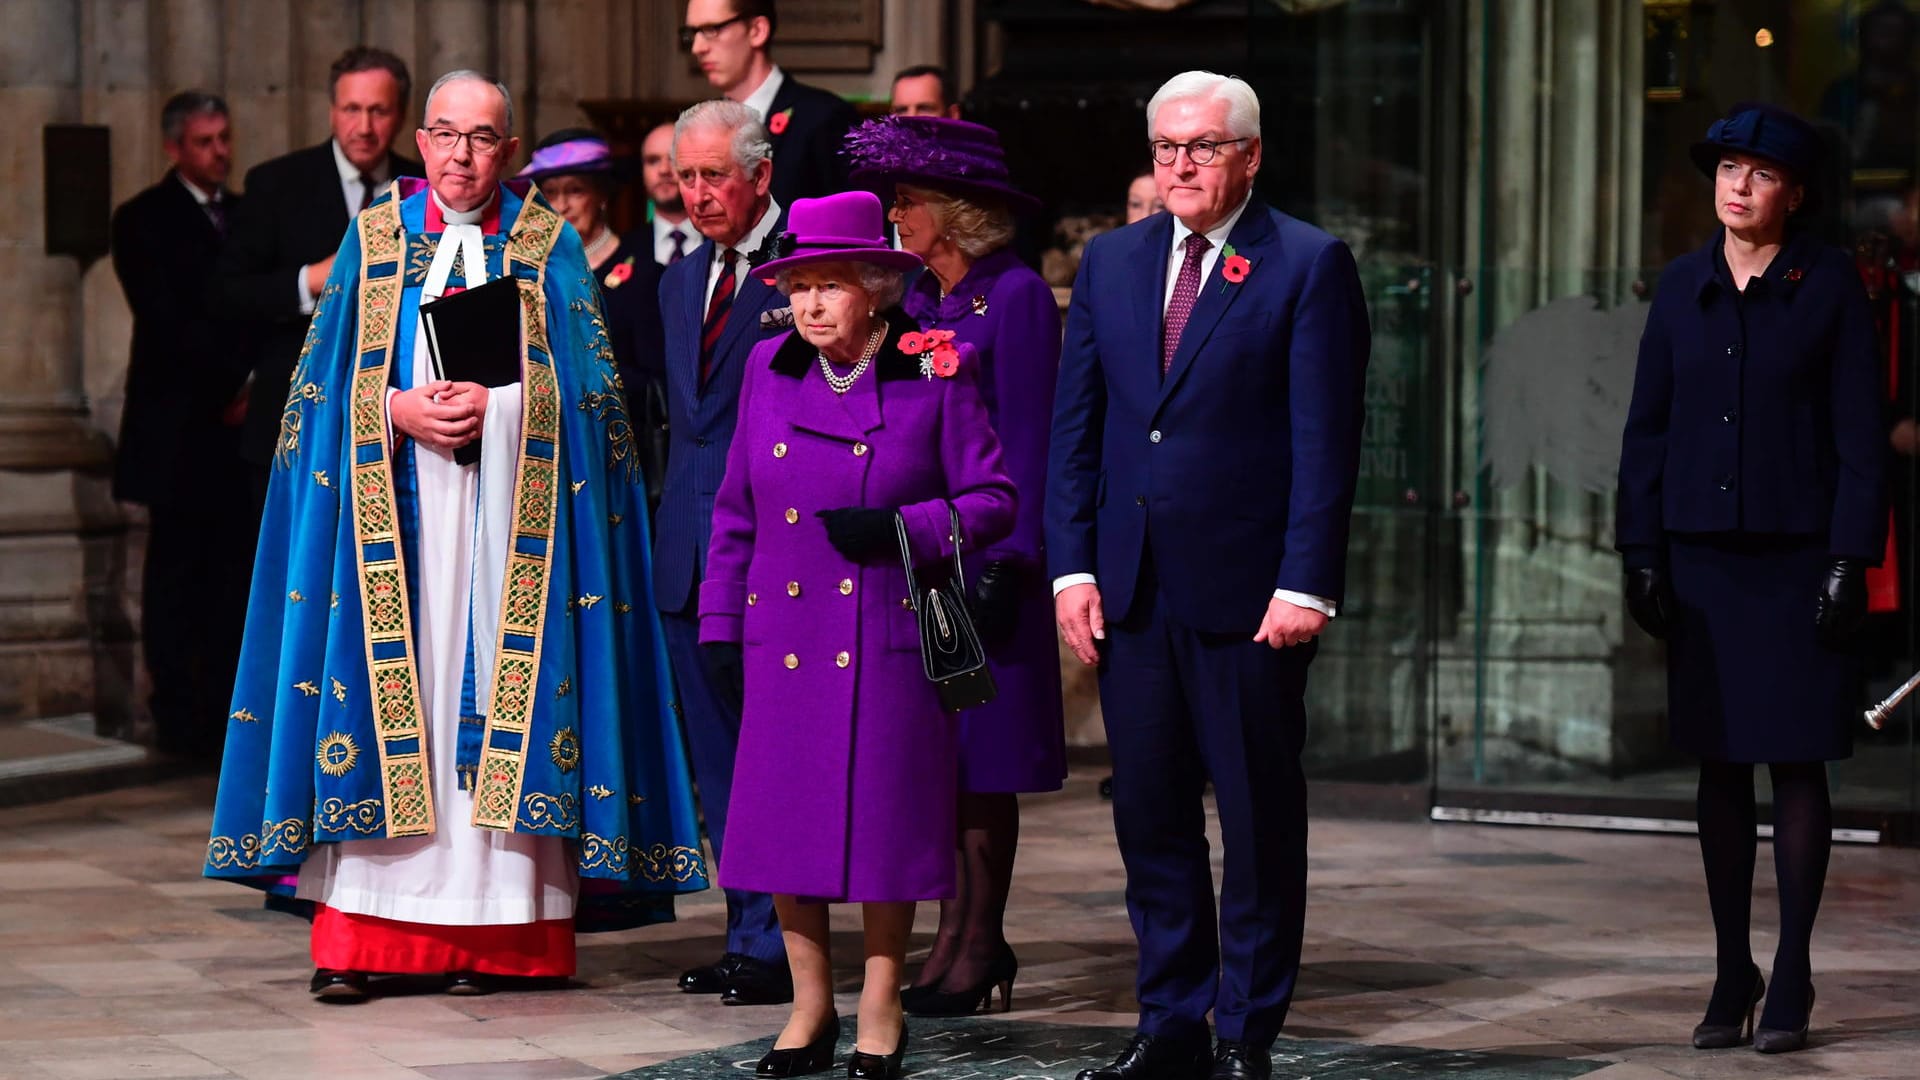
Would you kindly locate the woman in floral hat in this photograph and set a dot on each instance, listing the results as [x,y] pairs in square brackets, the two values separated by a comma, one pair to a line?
[954,207]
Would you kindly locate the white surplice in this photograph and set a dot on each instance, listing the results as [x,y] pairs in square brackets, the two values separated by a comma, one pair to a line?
[460,875]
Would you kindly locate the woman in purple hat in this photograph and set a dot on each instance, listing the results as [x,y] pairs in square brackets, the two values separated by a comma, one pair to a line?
[954,207]
[1751,503]
[843,787]
[575,171]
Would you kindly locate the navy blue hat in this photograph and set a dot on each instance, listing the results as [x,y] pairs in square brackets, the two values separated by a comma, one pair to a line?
[1764,131]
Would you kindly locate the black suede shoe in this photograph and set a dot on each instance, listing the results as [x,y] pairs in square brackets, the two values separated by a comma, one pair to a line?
[1156,1057]
[709,978]
[1238,1061]
[756,982]
[815,1057]
[338,987]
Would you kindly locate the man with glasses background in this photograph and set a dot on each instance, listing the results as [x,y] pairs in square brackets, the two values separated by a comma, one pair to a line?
[731,41]
[1206,446]
[281,240]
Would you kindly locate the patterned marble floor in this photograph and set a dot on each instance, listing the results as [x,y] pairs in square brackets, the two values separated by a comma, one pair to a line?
[1544,953]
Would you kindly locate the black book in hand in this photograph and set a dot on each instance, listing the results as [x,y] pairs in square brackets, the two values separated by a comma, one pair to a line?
[474,336]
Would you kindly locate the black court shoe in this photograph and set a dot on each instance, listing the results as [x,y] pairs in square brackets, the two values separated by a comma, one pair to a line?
[1776,1041]
[815,1057]
[976,998]
[1708,1036]
[865,1066]
[338,987]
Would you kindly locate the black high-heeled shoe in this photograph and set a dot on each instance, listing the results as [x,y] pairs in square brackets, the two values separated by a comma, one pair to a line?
[865,1066]
[1777,1041]
[974,998]
[815,1057]
[1724,1036]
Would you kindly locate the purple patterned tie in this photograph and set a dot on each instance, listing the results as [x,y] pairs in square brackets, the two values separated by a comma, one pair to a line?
[1185,288]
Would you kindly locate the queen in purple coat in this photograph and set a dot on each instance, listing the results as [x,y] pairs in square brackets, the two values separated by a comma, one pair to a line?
[954,207]
[844,784]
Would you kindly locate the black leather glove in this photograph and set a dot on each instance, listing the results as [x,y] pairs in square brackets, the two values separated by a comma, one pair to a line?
[996,602]
[1841,605]
[1650,601]
[726,672]
[858,531]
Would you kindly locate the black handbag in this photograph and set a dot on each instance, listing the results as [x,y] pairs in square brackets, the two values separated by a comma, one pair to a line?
[950,649]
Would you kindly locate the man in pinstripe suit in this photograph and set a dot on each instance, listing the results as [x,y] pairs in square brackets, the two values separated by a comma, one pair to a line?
[710,305]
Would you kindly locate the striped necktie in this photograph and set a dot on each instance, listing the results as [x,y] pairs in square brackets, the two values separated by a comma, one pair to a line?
[717,309]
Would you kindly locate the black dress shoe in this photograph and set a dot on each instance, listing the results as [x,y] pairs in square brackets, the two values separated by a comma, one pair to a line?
[932,1001]
[470,984]
[1708,1035]
[815,1057]
[1156,1057]
[709,978]
[338,987]
[756,982]
[1238,1061]
[865,1066]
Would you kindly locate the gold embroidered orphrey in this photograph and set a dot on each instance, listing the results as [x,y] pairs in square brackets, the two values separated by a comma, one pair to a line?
[399,722]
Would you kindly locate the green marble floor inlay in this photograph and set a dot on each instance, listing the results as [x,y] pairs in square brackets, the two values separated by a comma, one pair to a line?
[1006,1050]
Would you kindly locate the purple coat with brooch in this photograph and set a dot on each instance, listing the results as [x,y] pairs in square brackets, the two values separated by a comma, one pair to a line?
[844,786]
[1016,742]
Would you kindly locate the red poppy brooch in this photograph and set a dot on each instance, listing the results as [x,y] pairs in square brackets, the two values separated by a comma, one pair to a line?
[618,276]
[1234,266]
[936,350]
[777,123]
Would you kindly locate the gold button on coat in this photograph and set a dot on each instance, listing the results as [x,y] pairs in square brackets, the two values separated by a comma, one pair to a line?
[791,661]
[752,599]
[793,516]
[859,449]
[846,586]
[779,449]
[843,659]
[907,602]
[793,588]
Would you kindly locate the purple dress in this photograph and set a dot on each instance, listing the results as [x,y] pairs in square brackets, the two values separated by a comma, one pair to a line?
[843,788]
[1017,742]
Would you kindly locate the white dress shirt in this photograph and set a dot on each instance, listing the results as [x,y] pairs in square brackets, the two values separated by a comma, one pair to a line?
[663,238]
[761,100]
[351,190]
[1216,240]
[748,244]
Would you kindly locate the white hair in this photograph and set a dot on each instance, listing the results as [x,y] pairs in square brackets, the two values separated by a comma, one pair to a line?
[467,75]
[751,143]
[884,287]
[1243,105]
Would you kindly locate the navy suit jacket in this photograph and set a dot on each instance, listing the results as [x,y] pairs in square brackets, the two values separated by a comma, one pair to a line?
[806,153]
[1238,468]
[700,420]
[1761,412]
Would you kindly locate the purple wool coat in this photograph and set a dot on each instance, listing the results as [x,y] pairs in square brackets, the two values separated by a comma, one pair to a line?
[1017,742]
[844,785]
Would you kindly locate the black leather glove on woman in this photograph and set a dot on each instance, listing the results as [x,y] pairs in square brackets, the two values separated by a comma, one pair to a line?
[996,602]
[726,671]
[859,532]
[1842,604]
[1650,601]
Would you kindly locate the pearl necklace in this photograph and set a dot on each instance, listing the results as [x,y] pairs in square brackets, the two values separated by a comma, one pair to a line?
[599,244]
[840,384]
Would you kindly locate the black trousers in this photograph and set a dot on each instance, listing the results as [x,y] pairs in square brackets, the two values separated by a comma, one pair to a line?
[193,608]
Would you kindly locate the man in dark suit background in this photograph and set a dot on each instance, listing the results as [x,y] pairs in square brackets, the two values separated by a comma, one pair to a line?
[711,306]
[730,40]
[296,210]
[179,435]
[1205,453]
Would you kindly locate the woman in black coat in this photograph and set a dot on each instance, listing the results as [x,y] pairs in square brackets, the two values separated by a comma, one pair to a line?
[1751,504]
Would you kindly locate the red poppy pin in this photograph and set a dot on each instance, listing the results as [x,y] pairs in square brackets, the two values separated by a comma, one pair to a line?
[620,273]
[936,350]
[1794,274]
[1235,267]
[777,123]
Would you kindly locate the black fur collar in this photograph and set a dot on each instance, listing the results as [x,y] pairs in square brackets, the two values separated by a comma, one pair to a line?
[795,357]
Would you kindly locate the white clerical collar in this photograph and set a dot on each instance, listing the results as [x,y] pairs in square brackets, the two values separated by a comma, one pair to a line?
[462,235]
[761,100]
[461,217]
[350,173]
[1216,235]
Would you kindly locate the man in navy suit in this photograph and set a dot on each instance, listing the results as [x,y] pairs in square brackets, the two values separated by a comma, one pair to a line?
[730,40]
[1205,449]
[710,305]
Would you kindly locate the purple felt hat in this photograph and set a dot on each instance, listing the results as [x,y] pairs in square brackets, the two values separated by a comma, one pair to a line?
[848,227]
[953,156]
[569,158]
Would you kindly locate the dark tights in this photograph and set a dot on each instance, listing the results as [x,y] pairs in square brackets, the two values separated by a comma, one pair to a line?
[972,930]
[1802,837]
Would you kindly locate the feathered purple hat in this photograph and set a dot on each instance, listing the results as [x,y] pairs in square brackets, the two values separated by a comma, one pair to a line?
[953,156]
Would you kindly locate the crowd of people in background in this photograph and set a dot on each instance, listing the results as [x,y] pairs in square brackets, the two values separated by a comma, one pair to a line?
[501,635]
